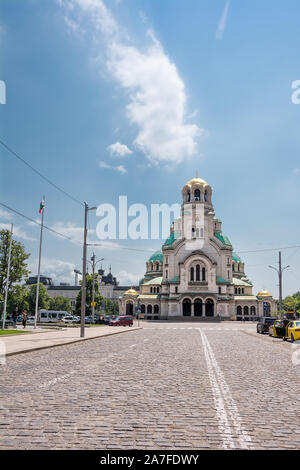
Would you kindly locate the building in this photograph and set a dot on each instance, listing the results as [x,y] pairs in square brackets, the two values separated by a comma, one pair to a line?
[196,273]
[108,286]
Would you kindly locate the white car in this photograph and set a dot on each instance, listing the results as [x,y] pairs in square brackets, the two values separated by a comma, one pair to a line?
[69,319]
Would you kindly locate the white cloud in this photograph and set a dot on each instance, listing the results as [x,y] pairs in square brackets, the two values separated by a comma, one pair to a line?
[18,232]
[58,270]
[119,168]
[126,278]
[5,215]
[223,21]
[156,93]
[119,150]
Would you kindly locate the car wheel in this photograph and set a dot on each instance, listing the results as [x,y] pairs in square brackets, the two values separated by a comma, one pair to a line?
[292,338]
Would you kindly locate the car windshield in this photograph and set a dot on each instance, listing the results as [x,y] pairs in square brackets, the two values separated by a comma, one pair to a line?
[297,323]
[116,319]
[279,323]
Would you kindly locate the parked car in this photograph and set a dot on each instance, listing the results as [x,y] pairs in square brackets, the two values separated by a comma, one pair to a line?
[122,321]
[88,319]
[107,319]
[264,324]
[30,319]
[69,319]
[278,329]
[293,331]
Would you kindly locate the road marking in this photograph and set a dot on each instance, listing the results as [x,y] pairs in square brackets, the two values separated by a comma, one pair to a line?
[226,407]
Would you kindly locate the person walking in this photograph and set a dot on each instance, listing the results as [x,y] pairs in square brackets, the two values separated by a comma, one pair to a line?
[15,316]
[24,318]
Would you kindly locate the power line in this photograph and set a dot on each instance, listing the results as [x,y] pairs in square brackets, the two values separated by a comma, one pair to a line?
[15,154]
[37,223]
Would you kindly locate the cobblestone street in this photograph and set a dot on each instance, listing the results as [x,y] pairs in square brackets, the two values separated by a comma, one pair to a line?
[167,386]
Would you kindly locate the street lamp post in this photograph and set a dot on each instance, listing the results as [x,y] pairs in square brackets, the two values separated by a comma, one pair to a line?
[279,271]
[83,287]
[7,277]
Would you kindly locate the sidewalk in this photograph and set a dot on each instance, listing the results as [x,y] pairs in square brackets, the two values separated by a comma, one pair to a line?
[17,344]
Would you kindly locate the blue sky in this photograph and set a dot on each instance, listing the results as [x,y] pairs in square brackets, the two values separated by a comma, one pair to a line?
[173,87]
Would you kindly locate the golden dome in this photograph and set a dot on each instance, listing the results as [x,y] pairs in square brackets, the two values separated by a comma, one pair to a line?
[132,292]
[197,180]
[264,293]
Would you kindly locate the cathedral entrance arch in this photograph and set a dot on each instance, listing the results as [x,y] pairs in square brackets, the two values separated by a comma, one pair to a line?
[187,307]
[129,308]
[198,308]
[209,308]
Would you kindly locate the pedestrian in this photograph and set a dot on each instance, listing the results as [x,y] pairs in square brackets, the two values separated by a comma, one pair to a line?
[24,318]
[15,316]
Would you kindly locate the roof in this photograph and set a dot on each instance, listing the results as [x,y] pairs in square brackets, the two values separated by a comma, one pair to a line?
[132,292]
[236,258]
[157,256]
[220,280]
[156,281]
[223,239]
[171,239]
[264,293]
[239,282]
[196,181]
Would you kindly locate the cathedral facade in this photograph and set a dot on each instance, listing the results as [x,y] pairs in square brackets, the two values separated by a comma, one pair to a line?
[196,273]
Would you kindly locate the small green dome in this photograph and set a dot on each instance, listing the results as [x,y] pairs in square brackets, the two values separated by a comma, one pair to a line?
[236,258]
[157,256]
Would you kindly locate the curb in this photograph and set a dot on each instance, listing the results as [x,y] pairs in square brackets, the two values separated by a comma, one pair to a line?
[14,353]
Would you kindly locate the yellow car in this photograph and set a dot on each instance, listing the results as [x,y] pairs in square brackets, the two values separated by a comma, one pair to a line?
[293,330]
[279,328]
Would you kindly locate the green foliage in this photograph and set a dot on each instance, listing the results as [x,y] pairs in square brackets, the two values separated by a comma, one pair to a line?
[18,266]
[98,296]
[44,298]
[111,307]
[18,297]
[292,303]
[59,302]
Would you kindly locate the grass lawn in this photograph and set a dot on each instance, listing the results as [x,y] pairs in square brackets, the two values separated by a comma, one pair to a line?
[12,332]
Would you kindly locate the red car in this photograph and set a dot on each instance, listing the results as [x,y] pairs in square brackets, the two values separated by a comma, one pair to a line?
[121,321]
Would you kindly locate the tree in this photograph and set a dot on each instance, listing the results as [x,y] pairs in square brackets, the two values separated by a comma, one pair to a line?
[17,298]
[44,298]
[292,303]
[18,265]
[111,307]
[98,296]
[59,302]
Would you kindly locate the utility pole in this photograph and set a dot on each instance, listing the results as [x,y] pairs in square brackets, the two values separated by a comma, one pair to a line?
[42,205]
[7,277]
[279,271]
[83,286]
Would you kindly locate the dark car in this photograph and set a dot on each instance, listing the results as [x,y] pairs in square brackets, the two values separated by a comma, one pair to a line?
[264,324]
[107,319]
[122,321]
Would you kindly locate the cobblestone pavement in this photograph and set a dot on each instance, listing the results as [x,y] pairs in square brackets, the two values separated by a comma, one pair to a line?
[168,386]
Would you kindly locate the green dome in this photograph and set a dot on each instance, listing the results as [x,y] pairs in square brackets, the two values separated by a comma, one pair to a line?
[157,256]
[236,258]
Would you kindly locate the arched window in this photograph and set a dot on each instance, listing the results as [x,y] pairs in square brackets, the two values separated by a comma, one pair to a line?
[157,267]
[197,272]
[149,308]
[188,196]
[239,290]
[151,289]
[143,308]
[246,310]
[252,310]
[239,310]
[203,274]
[192,274]
[197,195]
[156,309]
[205,196]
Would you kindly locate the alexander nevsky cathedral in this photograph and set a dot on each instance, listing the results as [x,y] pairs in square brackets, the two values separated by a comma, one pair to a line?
[196,273]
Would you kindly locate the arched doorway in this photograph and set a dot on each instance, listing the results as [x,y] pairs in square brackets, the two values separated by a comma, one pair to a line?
[143,309]
[156,308]
[198,308]
[239,312]
[186,305]
[209,308]
[129,308]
